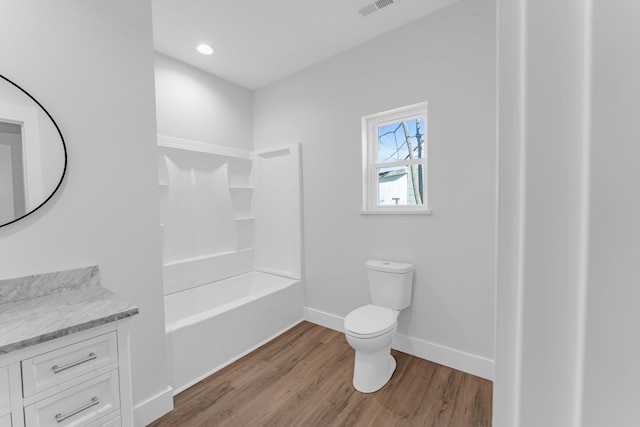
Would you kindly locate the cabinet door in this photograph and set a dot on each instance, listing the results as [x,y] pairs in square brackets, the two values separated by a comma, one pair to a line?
[78,406]
[5,421]
[4,391]
[56,367]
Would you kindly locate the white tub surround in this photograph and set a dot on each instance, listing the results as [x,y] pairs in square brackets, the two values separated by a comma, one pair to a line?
[232,223]
[278,211]
[64,351]
[206,212]
[226,212]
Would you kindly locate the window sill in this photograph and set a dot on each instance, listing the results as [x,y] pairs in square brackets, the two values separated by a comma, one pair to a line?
[397,212]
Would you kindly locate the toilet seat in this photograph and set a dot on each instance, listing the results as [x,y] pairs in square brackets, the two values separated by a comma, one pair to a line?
[370,321]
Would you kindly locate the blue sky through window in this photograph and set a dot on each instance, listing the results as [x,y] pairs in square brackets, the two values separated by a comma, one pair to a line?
[392,143]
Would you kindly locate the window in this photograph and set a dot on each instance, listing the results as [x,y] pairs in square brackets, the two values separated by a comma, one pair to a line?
[394,153]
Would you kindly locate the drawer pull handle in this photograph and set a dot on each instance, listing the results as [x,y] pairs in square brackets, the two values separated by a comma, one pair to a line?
[94,401]
[58,369]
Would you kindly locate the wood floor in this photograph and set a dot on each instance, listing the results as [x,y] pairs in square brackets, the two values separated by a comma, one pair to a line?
[303,378]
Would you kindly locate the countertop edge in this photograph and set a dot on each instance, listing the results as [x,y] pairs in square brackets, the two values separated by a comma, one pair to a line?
[68,331]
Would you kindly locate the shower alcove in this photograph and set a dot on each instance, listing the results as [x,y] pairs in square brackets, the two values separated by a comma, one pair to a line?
[232,252]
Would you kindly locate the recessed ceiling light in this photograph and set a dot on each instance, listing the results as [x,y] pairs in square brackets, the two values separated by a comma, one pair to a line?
[205,49]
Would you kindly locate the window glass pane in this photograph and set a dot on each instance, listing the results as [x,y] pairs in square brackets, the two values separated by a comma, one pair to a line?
[401,141]
[402,185]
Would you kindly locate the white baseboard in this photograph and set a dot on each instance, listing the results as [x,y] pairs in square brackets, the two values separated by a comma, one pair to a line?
[456,359]
[146,412]
[322,318]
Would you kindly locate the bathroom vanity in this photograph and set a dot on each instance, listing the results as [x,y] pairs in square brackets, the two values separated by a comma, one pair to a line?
[64,352]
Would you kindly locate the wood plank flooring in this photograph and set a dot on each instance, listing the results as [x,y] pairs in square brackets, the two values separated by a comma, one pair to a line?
[303,378]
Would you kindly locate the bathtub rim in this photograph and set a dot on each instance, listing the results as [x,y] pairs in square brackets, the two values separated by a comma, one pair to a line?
[203,315]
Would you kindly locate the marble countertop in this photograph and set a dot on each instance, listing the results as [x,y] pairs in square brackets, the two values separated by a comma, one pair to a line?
[36,319]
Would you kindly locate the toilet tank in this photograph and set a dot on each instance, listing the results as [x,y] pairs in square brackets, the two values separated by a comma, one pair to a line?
[390,283]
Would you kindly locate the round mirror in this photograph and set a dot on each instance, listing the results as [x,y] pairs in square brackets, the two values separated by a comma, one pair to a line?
[33,156]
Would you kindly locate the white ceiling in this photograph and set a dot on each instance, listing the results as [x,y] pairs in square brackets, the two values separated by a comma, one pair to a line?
[260,41]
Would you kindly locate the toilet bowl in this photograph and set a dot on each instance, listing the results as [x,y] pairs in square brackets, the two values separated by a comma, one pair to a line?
[370,329]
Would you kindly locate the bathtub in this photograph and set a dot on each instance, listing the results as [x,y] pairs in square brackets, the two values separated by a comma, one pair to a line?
[210,326]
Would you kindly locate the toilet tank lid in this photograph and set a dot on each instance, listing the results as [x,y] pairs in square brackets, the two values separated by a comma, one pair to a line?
[389,266]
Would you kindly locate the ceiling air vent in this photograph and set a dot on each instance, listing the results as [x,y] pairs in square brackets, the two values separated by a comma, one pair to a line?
[382,3]
[377,5]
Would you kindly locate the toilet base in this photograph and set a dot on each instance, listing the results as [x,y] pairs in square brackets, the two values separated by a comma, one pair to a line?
[373,370]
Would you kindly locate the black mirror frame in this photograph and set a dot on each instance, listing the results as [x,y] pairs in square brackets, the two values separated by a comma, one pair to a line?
[64,149]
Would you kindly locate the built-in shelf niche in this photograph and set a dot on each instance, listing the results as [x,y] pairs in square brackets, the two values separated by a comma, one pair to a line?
[245,233]
[240,172]
[242,199]
[241,190]
[163,186]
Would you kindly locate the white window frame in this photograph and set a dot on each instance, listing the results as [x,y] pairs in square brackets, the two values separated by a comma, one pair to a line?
[370,165]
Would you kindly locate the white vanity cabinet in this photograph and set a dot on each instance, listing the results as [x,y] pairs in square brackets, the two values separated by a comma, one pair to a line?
[5,402]
[82,379]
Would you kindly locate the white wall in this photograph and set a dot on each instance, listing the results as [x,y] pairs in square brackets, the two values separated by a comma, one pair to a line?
[447,59]
[612,323]
[541,257]
[567,349]
[195,105]
[91,65]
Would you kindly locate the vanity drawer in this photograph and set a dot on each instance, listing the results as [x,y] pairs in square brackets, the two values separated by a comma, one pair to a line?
[56,367]
[4,389]
[116,422]
[5,421]
[77,406]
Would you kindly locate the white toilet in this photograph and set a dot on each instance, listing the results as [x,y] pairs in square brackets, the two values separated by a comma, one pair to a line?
[370,329]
